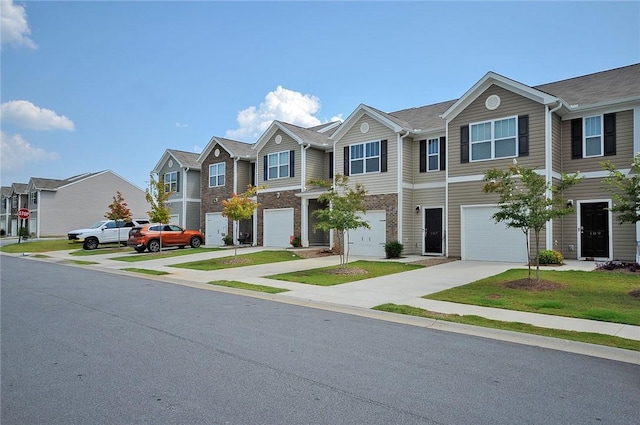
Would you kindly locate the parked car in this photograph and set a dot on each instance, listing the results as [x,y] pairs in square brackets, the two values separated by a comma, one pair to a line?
[153,236]
[105,231]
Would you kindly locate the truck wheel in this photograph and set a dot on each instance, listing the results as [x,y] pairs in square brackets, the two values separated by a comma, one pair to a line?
[90,243]
[154,245]
[195,242]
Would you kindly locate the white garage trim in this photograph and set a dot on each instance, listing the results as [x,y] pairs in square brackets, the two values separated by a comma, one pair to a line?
[277,227]
[482,239]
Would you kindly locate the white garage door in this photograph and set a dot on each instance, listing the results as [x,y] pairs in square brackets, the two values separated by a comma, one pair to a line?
[370,242]
[277,227]
[484,239]
[216,227]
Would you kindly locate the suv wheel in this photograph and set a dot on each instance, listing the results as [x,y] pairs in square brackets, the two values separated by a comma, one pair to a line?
[195,242]
[139,249]
[90,243]
[154,245]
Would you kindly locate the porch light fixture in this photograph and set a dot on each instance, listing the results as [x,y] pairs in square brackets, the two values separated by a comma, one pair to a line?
[570,203]
[418,209]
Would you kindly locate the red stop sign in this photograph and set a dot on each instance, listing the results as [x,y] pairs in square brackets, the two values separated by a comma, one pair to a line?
[23,213]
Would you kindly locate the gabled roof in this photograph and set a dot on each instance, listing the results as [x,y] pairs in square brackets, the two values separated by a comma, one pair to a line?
[5,191]
[46,184]
[184,159]
[615,85]
[491,78]
[300,134]
[424,118]
[235,149]
[19,188]
[326,127]
[394,123]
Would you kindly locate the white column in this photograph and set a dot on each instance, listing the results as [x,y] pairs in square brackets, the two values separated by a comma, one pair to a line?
[304,222]
[636,150]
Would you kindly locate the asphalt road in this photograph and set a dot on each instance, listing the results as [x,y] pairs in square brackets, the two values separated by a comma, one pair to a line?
[86,347]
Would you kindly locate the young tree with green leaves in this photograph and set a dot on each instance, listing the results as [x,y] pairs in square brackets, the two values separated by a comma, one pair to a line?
[119,212]
[240,207]
[345,202]
[527,201]
[157,196]
[625,190]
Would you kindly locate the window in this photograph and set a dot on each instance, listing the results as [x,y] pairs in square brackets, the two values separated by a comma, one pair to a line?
[494,139]
[592,143]
[216,174]
[34,198]
[171,182]
[278,165]
[365,158]
[433,155]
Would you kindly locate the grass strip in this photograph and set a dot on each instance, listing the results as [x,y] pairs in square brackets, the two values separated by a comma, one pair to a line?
[252,259]
[594,295]
[247,286]
[82,262]
[145,271]
[587,337]
[134,257]
[358,270]
[40,246]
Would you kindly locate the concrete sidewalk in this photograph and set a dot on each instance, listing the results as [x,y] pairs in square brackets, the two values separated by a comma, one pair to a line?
[405,288]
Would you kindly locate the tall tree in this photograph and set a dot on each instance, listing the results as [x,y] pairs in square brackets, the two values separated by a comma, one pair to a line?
[119,212]
[157,196]
[342,215]
[625,190]
[527,201]
[240,207]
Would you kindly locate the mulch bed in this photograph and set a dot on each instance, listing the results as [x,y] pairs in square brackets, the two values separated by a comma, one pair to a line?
[527,284]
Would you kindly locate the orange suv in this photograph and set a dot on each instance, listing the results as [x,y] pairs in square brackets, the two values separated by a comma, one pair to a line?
[153,236]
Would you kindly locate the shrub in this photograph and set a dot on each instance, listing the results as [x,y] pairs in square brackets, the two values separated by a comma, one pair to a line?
[3,232]
[228,240]
[393,249]
[619,265]
[296,242]
[550,256]
[23,232]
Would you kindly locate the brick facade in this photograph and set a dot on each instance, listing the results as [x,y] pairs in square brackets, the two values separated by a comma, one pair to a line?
[210,194]
[270,200]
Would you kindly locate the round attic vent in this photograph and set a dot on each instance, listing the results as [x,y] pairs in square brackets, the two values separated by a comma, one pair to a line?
[278,139]
[170,163]
[364,127]
[492,102]
[216,152]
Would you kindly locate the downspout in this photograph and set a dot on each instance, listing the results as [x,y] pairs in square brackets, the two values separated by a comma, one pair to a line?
[184,196]
[636,151]
[304,203]
[38,201]
[400,185]
[549,166]
[236,224]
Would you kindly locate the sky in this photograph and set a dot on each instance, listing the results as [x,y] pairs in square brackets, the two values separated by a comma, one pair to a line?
[87,86]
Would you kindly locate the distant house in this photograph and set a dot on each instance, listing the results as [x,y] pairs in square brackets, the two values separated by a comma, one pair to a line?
[58,206]
[228,167]
[180,172]
[14,197]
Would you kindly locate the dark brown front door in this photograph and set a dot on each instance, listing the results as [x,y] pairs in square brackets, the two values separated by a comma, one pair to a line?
[594,229]
[433,230]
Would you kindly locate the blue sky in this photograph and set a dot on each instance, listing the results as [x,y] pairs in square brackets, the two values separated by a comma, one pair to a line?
[91,86]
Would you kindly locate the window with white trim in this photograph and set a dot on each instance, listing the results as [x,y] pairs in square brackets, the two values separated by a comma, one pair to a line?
[216,174]
[494,139]
[365,158]
[34,198]
[278,165]
[171,182]
[433,155]
[593,140]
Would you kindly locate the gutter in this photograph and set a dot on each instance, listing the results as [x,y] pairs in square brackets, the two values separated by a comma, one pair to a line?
[400,186]
[549,165]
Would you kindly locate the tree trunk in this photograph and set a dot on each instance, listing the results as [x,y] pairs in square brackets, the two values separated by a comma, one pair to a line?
[537,232]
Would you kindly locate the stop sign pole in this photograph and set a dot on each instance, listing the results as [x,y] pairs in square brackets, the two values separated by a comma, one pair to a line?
[23,214]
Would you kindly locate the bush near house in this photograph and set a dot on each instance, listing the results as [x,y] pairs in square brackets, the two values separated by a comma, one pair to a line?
[550,256]
[393,249]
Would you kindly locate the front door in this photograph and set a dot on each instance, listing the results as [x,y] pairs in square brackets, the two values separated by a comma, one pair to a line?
[594,230]
[433,231]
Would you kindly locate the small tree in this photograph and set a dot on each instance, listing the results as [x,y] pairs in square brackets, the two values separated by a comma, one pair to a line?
[157,196]
[345,202]
[240,207]
[527,201]
[625,190]
[118,211]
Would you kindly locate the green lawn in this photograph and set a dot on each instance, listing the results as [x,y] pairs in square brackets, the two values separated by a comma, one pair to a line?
[145,271]
[328,276]
[587,337]
[248,286]
[255,258]
[591,295]
[134,257]
[40,246]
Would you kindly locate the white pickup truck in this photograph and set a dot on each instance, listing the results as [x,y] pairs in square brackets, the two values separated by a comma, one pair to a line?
[105,231]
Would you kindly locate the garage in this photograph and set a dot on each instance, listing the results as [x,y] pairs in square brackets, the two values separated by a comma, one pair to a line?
[216,227]
[485,240]
[370,242]
[277,227]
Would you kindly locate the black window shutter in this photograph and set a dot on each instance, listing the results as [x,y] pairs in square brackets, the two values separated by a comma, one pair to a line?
[383,156]
[443,150]
[331,164]
[292,163]
[576,138]
[253,174]
[523,135]
[423,156]
[266,167]
[609,134]
[177,181]
[464,144]
[346,160]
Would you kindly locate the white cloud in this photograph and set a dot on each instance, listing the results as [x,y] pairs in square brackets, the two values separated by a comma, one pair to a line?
[14,28]
[283,105]
[27,115]
[16,152]
[181,125]
[197,149]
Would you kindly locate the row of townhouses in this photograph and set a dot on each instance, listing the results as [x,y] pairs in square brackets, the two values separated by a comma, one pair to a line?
[423,168]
